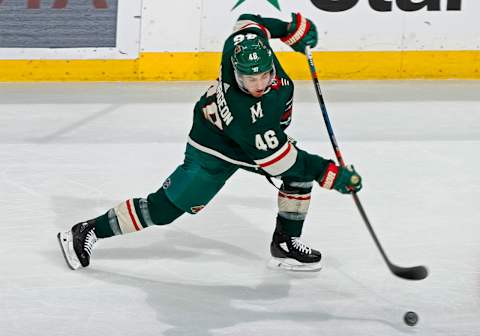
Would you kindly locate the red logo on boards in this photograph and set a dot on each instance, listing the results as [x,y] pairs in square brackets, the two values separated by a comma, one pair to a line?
[59,4]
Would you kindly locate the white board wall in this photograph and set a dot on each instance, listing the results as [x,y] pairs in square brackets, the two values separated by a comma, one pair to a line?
[202,25]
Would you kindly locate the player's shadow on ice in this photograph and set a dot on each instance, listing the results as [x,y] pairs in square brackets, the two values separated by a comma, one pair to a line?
[200,309]
[176,245]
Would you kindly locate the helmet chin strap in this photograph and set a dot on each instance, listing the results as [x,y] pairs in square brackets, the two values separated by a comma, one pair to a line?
[240,82]
[242,87]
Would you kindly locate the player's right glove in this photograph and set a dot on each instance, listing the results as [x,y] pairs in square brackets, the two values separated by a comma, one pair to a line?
[301,33]
[343,179]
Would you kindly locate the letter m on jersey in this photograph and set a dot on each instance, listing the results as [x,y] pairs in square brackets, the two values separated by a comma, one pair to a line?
[257,112]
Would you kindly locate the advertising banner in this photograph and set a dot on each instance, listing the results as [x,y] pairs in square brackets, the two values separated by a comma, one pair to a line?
[343,25]
[70,29]
[58,23]
[182,40]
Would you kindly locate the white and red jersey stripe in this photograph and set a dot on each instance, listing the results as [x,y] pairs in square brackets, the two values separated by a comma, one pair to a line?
[280,161]
[244,24]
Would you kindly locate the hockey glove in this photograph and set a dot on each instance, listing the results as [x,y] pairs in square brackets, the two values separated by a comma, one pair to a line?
[301,32]
[343,179]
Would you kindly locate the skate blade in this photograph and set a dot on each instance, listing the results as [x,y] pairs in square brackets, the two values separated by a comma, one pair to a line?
[293,265]
[66,245]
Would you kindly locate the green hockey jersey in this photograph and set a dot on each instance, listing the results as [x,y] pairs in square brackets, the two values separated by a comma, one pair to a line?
[247,131]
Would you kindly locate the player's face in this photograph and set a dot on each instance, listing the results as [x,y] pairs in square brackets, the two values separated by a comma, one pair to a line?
[257,84]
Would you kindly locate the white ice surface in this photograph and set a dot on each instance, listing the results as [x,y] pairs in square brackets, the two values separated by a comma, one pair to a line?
[68,152]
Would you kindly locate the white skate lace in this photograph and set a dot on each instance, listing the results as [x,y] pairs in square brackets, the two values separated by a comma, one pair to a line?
[301,246]
[90,239]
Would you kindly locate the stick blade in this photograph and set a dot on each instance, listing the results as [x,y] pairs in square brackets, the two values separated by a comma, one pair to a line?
[410,273]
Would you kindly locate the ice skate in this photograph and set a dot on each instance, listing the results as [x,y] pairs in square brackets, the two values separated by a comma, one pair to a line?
[77,244]
[292,254]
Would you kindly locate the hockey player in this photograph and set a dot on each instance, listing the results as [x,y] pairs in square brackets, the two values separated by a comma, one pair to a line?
[239,122]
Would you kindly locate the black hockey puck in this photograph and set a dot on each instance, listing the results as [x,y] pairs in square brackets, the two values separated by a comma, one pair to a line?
[410,318]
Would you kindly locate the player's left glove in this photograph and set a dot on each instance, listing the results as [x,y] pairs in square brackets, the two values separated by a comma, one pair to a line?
[301,32]
[343,179]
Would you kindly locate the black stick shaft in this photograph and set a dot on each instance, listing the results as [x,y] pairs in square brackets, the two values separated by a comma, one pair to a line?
[415,273]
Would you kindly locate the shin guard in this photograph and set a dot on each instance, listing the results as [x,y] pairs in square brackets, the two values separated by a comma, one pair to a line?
[293,204]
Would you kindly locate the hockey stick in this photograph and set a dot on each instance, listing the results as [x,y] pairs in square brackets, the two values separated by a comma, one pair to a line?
[410,273]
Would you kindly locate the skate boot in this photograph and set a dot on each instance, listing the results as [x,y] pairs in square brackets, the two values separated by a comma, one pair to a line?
[77,244]
[292,254]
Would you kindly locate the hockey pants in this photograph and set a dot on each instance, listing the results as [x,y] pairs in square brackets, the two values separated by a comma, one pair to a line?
[189,189]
